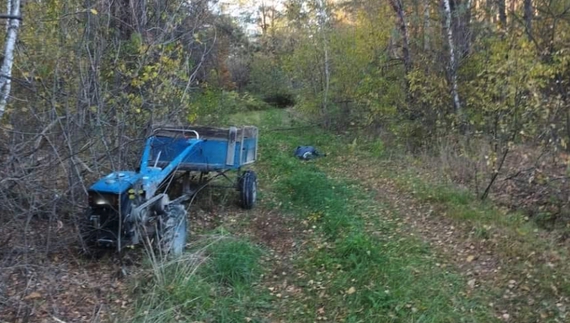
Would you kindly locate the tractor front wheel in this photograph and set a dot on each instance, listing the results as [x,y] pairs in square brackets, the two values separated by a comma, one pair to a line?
[173,230]
[87,233]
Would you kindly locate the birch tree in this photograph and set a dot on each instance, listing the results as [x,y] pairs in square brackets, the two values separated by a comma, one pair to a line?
[323,24]
[12,25]
[452,58]
[399,10]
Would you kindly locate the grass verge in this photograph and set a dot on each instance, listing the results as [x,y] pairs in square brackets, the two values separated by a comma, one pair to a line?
[530,256]
[213,282]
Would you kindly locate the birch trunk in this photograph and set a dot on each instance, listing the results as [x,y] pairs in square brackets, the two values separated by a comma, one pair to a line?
[426,26]
[399,10]
[452,59]
[12,25]
[323,19]
[467,34]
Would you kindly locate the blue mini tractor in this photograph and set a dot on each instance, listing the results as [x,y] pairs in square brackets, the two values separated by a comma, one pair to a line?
[125,207]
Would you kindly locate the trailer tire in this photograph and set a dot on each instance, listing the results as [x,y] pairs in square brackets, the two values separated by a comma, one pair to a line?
[173,231]
[248,189]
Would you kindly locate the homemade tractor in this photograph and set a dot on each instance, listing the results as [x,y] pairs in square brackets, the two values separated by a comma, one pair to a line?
[126,207]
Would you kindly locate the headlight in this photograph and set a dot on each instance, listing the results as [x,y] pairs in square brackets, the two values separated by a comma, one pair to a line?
[102,199]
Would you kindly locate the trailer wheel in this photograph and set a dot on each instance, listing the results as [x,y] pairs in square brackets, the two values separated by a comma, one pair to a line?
[173,231]
[248,189]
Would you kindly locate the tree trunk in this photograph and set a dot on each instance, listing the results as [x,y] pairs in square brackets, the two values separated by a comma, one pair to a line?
[399,10]
[489,11]
[12,26]
[323,21]
[528,15]
[263,19]
[452,60]
[426,25]
[502,13]
[466,30]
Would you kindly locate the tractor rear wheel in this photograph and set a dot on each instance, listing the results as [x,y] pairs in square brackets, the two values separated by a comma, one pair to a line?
[173,230]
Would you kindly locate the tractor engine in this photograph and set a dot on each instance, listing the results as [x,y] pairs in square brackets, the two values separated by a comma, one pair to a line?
[109,204]
[105,215]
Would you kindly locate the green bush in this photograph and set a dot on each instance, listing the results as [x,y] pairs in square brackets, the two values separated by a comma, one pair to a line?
[269,81]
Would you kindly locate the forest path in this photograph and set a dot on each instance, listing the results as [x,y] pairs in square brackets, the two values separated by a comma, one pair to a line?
[518,268]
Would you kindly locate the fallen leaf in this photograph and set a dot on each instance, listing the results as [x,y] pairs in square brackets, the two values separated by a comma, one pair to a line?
[33,295]
[351,290]
[470,258]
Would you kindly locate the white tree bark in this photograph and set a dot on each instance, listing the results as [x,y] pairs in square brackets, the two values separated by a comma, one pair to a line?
[452,60]
[426,26]
[323,21]
[12,26]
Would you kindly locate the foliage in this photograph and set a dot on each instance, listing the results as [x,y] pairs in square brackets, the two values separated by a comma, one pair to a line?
[268,81]
[212,105]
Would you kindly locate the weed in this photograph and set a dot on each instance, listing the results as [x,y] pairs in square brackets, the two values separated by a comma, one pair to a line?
[211,283]
[482,232]
[233,262]
[374,148]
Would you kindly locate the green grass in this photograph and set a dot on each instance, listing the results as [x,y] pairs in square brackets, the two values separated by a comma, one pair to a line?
[515,239]
[460,203]
[213,282]
[357,267]
[233,263]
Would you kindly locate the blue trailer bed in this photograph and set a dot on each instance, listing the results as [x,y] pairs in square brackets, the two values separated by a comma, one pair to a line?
[219,148]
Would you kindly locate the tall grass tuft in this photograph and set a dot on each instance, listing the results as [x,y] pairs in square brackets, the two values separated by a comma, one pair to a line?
[233,262]
[212,282]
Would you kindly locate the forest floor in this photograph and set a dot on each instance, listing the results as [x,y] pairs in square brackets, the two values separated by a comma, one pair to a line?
[356,236]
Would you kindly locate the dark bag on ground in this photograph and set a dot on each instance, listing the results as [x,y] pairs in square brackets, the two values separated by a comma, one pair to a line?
[307,152]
